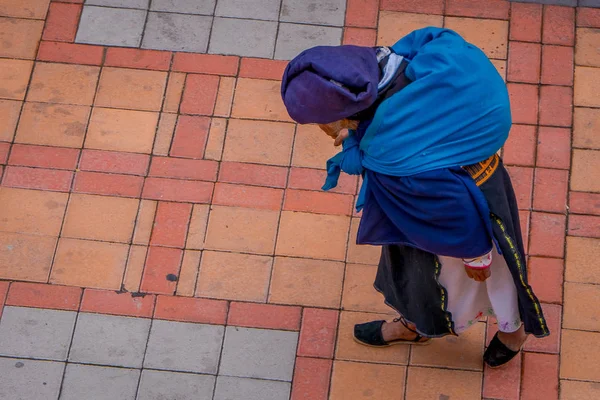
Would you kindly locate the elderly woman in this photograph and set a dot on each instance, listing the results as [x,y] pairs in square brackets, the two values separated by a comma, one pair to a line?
[426,119]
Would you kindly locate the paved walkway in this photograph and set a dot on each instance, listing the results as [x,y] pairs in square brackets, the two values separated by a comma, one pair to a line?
[163,235]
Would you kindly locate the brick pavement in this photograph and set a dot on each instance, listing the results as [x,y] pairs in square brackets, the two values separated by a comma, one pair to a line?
[162,227]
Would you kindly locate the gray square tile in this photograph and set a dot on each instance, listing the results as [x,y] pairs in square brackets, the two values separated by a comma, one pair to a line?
[322,12]
[177,32]
[30,379]
[231,388]
[203,7]
[253,9]
[111,26]
[589,3]
[141,4]
[295,38]
[110,340]
[259,353]
[99,383]
[251,39]
[36,333]
[182,346]
[166,385]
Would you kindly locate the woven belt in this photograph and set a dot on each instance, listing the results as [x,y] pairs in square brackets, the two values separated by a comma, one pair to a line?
[482,171]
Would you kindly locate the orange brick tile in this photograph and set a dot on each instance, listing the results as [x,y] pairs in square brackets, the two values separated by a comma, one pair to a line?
[503,383]
[38,295]
[35,9]
[491,36]
[134,89]
[9,114]
[575,390]
[200,94]
[134,268]
[520,147]
[117,303]
[63,83]
[348,349]
[588,17]
[522,181]
[188,275]
[259,68]
[29,258]
[53,125]
[14,77]
[313,179]
[206,64]
[579,351]
[37,178]
[190,137]
[164,134]
[62,22]
[114,162]
[540,376]
[526,22]
[4,150]
[3,291]
[144,222]
[500,66]
[108,184]
[138,58]
[586,167]
[547,235]
[550,190]
[362,13]
[31,211]
[318,332]
[253,174]
[584,203]
[359,293]
[177,190]
[110,129]
[578,311]
[311,379]
[428,383]
[556,105]
[587,87]
[259,99]
[171,224]
[162,270]
[584,225]
[216,139]
[187,309]
[546,278]
[394,25]
[258,142]
[415,6]
[557,65]
[559,25]
[523,103]
[20,37]
[361,254]
[586,122]
[360,36]
[318,202]
[313,236]
[173,92]
[265,316]
[359,381]
[197,229]
[70,53]
[312,148]
[242,229]
[224,97]
[247,196]
[524,62]
[44,157]
[306,282]
[549,344]
[472,8]
[234,276]
[168,167]
[89,264]
[554,148]
[100,218]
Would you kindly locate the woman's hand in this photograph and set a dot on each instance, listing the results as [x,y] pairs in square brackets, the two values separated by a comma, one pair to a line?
[337,130]
[478,274]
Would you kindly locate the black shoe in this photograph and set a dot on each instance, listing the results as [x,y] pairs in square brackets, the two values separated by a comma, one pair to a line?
[369,334]
[497,354]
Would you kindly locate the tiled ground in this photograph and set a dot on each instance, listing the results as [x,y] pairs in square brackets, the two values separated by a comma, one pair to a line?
[159,211]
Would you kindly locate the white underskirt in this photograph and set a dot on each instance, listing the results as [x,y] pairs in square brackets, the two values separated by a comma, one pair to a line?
[469,300]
